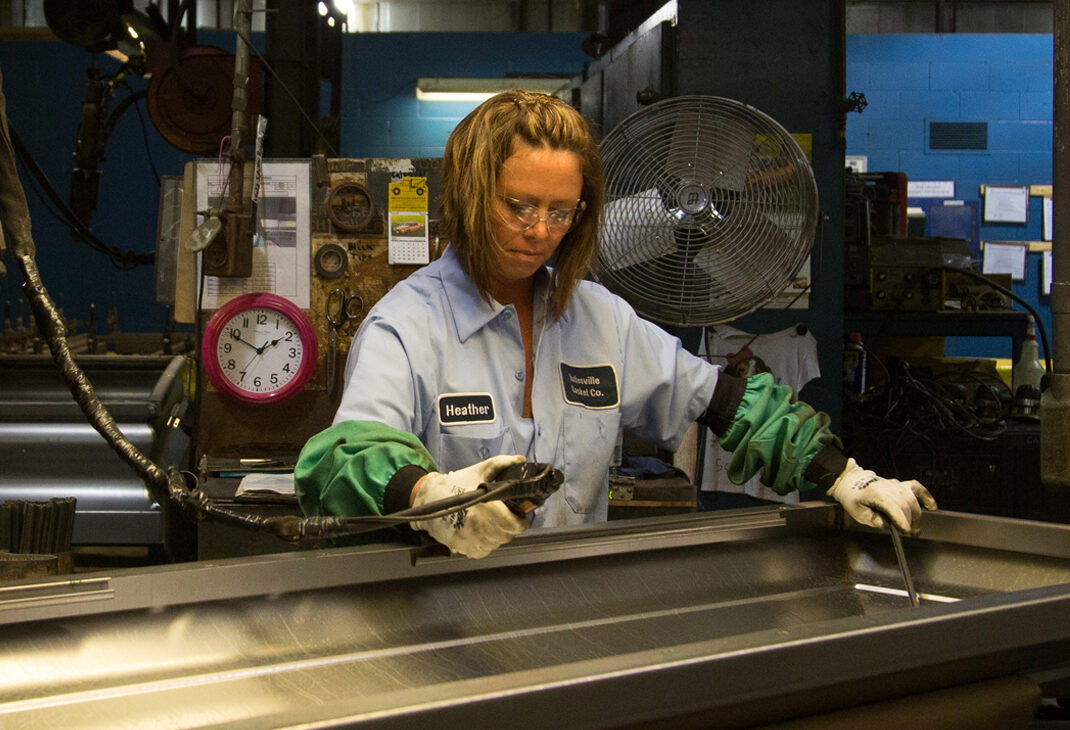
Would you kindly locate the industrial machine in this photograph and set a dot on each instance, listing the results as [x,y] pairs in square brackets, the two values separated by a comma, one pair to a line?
[716,619]
[51,450]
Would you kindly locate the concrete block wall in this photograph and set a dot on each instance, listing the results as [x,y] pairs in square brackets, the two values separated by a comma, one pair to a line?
[381,116]
[1004,80]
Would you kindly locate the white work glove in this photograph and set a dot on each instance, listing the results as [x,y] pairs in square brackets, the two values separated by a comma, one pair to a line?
[869,498]
[478,530]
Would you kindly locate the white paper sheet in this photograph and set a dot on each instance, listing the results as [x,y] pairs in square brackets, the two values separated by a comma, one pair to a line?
[283,244]
[1005,258]
[1005,204]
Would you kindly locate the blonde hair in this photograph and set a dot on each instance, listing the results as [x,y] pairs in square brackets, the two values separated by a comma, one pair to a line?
[475,153]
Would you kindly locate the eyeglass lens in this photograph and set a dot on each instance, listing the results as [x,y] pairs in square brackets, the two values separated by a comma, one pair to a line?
[527,215]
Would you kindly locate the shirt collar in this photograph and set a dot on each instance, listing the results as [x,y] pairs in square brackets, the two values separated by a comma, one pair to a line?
[471,312]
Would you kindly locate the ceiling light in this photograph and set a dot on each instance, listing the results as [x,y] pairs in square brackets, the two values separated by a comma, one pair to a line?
[480,89]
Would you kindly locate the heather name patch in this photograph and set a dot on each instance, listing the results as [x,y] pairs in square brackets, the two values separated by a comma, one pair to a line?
[590,386]
[455,408]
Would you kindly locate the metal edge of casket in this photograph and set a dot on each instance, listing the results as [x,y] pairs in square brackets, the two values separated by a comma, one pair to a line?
[805,668]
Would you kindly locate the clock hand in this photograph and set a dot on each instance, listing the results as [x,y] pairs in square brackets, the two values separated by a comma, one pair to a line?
[234,335]
[266,345]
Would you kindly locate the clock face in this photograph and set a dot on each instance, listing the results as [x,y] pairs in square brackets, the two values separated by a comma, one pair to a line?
[259,348]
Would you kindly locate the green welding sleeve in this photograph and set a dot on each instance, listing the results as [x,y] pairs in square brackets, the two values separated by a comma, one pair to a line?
[786,439]
[359,468]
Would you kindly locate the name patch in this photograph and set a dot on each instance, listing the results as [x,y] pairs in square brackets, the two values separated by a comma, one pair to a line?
[465,408]
[590,386]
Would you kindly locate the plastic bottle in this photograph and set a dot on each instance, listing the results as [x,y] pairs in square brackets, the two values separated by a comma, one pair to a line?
[1027,370]
[854,365]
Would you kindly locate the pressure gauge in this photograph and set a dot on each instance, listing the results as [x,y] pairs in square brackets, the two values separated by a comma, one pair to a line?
[350,207]
[259,349]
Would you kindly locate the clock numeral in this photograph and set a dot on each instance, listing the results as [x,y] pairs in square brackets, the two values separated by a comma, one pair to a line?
[242,378]
[226,347]
[293,352]
[261,318]
[256,382]
[230,365]
[244,322]
[289,336]
[274,378]
[286,368]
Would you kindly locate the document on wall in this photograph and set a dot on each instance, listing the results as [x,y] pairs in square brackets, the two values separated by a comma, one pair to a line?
[1006,204]
[282,242]
[1006,257]
[930,188]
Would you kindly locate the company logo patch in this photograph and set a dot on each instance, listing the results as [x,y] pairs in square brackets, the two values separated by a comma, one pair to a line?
[465,408]
[590,386]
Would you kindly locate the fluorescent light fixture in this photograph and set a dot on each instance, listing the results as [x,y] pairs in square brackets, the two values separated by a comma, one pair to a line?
[481,89]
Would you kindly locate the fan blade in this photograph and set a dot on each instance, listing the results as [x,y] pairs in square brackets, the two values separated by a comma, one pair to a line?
[714,151]
[762,251]
[635,229]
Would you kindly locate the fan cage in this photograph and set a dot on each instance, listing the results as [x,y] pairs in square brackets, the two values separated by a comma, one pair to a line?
[711,210]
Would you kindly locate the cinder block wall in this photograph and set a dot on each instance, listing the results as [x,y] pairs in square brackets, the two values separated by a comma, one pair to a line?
[1003,80]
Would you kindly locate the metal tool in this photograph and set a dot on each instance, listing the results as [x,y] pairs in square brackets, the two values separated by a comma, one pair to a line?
[341,309]
[332,355]
[897,543]
[526,486]
[520,487]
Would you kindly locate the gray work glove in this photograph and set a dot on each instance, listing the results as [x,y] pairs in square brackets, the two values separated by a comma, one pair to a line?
[869,498]
[478,530]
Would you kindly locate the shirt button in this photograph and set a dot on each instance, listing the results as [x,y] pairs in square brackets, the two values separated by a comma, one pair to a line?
[519,374]
[484,452]
[508,314]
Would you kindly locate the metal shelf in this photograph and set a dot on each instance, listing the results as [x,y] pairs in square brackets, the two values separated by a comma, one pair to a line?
[945,323]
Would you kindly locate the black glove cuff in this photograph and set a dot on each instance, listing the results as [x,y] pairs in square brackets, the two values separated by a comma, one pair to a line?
[826,466]
[398,490]
[727,395]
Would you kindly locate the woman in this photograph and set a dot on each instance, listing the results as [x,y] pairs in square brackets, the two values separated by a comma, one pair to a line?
[489,351]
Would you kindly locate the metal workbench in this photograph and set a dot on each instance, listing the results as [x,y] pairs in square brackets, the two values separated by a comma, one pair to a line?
[733,617]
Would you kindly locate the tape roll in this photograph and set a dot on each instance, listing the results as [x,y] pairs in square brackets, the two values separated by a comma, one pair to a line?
[331,261]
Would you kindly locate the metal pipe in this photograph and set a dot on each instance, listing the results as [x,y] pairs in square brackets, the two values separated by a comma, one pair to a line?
[239,230]
[1055,400]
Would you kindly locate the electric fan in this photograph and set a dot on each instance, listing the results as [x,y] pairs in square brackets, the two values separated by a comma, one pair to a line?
[711,209]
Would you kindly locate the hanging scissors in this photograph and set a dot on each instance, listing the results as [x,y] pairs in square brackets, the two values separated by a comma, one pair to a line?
[343,308]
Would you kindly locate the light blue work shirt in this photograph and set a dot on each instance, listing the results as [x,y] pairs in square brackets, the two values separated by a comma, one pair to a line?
[436,359]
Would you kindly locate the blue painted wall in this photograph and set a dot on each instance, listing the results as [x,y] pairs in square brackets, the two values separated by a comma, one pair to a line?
[43,84]
[1004,80]
[381,116]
